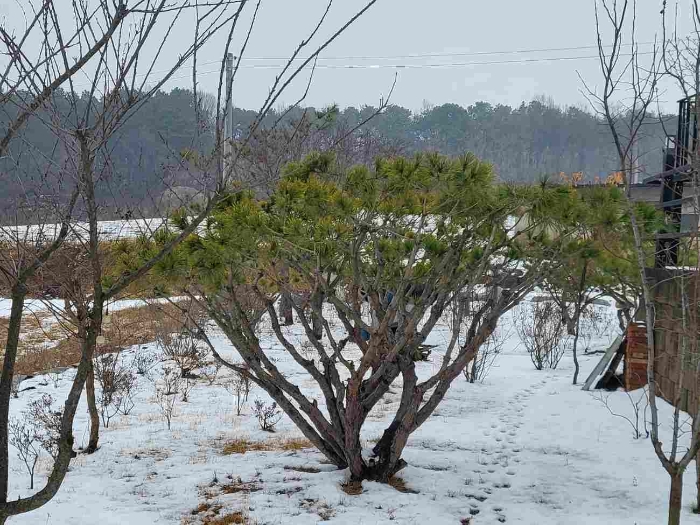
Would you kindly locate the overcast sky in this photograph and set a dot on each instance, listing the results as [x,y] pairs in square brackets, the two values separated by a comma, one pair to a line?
[461,33]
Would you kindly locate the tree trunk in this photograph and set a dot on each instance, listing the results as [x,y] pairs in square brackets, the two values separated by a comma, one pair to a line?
[574,351]
[92,408]
[675,501]
[317,305]
[286,309]
[353,445]
[388,451]
[13,332]
[697,482]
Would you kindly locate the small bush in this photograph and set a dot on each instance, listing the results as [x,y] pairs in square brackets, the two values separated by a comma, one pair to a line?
[24,437]
[144,361]
[185,350]
[47,421]
[117,386]
[268,415]
[540,328]
[210,371]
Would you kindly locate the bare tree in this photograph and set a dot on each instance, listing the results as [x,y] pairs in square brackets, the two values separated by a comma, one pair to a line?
[629,90]
[27,82]
[122,80]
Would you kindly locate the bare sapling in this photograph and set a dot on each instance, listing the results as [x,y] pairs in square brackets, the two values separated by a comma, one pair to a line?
[167,389]
[238,386]
[485,358]
[24,438]
[186,386]
[639,403]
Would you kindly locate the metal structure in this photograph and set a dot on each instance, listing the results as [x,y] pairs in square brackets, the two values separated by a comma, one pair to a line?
[676,172]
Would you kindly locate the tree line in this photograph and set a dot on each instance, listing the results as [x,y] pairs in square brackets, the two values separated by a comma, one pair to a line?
[523,143]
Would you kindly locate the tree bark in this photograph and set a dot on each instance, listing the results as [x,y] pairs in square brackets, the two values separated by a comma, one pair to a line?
[317,322]
[92,409]
[19,292]
[286,309]
[697,482]
[675,502]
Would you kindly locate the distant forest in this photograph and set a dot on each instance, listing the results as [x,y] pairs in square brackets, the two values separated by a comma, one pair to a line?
[523,143]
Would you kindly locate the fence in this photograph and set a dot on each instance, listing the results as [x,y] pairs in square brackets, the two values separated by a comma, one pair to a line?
[674,363]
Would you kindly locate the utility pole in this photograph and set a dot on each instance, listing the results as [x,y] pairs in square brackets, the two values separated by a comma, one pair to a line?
[228,120]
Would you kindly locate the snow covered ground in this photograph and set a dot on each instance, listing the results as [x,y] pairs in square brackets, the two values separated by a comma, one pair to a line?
[108,230]
[523,447]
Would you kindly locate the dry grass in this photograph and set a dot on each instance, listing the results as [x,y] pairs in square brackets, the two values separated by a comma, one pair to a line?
[39,337]
[307,470]
[400,485]
[127,327]
[242,445]
[228,519]
[239,486]
[352,488]
[210,514]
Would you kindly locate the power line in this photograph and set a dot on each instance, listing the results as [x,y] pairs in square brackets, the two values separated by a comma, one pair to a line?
[455,54]
[397,66]
[446,65]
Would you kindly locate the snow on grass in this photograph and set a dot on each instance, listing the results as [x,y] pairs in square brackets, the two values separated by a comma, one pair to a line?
[522,447]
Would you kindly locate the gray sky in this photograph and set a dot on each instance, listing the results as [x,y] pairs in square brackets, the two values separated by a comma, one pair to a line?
[460,31]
